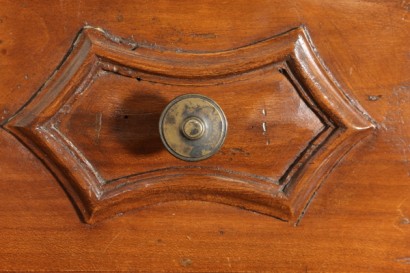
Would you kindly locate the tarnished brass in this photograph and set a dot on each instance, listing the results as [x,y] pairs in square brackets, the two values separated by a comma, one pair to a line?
[193,127]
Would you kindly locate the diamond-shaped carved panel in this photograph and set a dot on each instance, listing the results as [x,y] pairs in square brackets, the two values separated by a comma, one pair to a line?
[95,125]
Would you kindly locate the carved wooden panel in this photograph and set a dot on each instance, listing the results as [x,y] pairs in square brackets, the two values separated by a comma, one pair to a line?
[94,124]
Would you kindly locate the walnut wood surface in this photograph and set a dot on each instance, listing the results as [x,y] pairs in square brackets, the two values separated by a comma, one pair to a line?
[359,218]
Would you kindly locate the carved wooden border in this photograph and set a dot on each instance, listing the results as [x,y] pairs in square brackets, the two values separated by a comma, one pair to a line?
[94,49]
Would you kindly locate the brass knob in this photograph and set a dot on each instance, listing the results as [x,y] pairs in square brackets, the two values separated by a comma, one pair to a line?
[193,127]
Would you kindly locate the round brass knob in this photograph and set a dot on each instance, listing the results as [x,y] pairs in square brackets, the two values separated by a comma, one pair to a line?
[193,127]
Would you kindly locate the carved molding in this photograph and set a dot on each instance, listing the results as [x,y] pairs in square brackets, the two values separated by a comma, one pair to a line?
[43,125]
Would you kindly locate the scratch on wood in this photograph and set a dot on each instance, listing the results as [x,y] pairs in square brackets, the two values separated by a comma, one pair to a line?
[401,98]
[403,260]
[229,262]
[374,98]
[185,262]
[110,243]
[204,35]
[296,9]
[128,42]
[241,151]
[264,126]
[403,219]
[406,6]
[98,124]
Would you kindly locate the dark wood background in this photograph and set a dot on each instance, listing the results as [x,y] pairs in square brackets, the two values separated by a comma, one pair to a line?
[359,221]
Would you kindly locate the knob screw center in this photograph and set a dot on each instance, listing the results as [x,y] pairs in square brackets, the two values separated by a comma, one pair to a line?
[193,128]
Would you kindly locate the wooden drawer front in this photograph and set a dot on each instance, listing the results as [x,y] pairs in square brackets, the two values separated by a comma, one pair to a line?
[95,124]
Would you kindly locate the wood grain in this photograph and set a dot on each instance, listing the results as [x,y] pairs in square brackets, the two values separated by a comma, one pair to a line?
[358,220]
